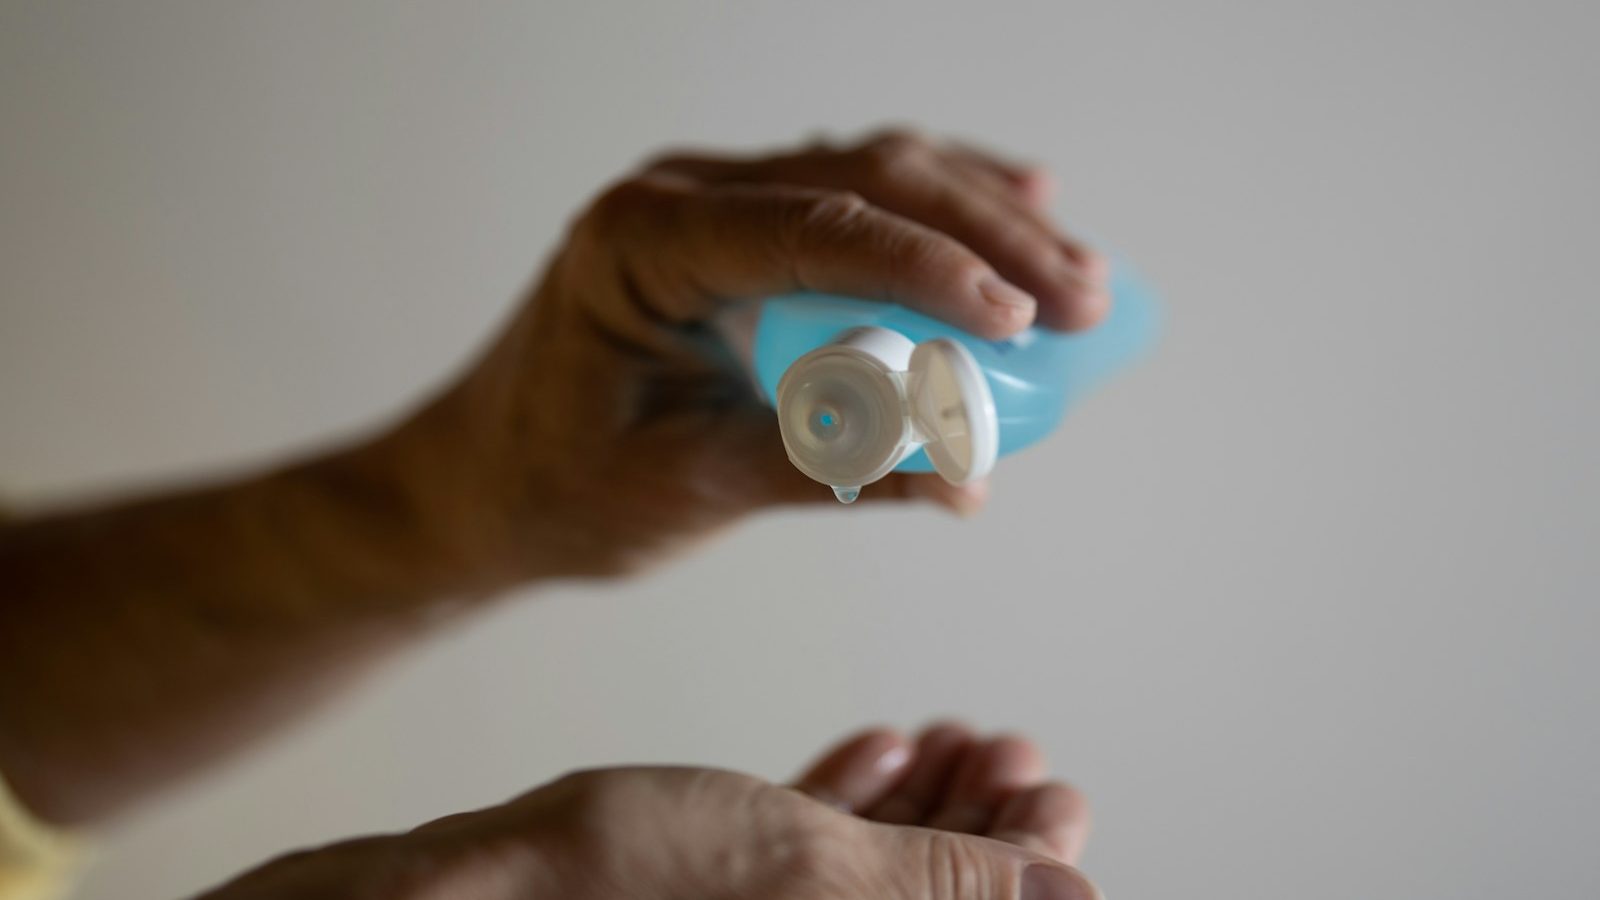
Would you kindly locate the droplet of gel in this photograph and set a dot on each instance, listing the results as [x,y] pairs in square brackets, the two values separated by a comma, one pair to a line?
[846,494]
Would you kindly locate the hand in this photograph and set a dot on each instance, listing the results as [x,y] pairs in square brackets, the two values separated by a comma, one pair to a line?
[608,425]
[951,780]
[689,834]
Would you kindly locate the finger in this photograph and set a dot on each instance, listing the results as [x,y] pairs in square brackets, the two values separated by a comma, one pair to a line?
[1066,275]
[971,201]
[938,754]
[931,865]
[685,248]
[859,771]
[1052,819]
[988,777]
[1034,185]
[999,181]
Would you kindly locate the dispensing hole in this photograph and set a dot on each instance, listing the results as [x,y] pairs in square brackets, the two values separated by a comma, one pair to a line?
[826,424]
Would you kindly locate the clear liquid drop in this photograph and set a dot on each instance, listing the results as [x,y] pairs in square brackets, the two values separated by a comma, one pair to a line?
[846,494]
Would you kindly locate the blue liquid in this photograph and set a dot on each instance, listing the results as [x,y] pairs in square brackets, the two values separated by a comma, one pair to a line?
[1034,376]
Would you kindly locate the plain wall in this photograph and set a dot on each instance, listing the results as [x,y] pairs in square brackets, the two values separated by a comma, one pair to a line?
[1306,604]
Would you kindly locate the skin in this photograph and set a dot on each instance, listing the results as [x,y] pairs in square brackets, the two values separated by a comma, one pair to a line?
[604,430]
[870,818]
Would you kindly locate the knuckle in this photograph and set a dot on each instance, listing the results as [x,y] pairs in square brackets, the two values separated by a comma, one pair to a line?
[622,206]
[898,139]
[580,787]
[802,844]
[616,204]
[588,796]
[592,804]
[895,156]
[827,213]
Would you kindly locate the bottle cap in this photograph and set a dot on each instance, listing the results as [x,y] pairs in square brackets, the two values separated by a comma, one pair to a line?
[852,410]
[842,414]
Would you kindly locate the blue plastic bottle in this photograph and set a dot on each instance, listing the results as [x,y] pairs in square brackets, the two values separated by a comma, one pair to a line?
[865,388]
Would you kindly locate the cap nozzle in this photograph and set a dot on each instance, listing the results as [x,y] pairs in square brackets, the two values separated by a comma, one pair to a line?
[852,410]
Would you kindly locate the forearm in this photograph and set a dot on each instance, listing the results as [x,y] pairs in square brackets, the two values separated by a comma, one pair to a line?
[140,640]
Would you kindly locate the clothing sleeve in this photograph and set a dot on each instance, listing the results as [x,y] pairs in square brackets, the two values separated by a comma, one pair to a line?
[36,862]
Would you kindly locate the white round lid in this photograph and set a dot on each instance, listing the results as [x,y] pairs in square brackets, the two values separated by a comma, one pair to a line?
[840,412]
[952,406]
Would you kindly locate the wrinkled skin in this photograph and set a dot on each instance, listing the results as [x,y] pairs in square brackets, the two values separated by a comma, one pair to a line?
[949,817]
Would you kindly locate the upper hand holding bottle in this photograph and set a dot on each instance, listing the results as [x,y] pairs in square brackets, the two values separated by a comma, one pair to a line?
[607,424]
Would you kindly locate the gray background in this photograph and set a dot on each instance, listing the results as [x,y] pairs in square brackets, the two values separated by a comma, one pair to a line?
[1306,604]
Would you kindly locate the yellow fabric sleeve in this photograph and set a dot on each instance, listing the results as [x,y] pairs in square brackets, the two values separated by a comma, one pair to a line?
[36,862]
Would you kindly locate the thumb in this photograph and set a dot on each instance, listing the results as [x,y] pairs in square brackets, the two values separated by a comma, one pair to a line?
[942,865]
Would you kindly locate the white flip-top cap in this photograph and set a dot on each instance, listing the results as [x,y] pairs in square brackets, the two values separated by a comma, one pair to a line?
[852,410]
[952,408]
[841,408]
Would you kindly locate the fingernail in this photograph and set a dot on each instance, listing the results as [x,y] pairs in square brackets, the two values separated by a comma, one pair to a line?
[1052,883]
[1000,292]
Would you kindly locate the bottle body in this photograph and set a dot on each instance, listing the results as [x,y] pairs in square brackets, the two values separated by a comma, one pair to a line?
[1033,377]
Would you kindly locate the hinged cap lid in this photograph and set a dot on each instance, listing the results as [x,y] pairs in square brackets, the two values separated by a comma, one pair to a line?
[953,408]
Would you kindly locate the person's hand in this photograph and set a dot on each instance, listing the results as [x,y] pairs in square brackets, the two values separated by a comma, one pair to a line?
[990,829]
[951,779]
[608,423]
